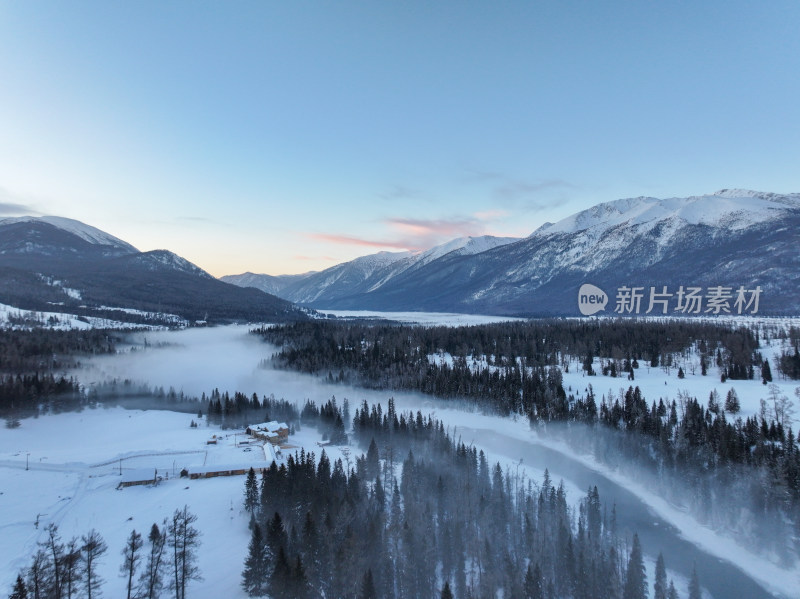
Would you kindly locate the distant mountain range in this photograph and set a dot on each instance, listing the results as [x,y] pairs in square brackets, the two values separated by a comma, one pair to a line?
[55,264]
[362,276]
[731,239]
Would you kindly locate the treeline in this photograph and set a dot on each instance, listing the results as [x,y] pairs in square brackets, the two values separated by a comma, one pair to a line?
[789,364]
[31,394]
[241,410]
[452,525]
[509,367]
[702,453]
[44,350]
[167,561]
[328,419]
[740,475]
[537,341]
[23,396]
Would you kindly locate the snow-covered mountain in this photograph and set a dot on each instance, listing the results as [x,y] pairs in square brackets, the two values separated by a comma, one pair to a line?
[168,261]
[54,264]
[731,238]
[266,283]
[366,274]
[81,230]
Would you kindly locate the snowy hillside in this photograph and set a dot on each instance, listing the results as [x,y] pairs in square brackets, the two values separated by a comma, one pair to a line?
[731,238]
[82,230]
[164,259]
[365,274]
[462,246]
[728,209]
[54,264]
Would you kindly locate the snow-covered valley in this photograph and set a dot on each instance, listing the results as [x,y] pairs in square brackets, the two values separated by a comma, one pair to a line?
[65,483]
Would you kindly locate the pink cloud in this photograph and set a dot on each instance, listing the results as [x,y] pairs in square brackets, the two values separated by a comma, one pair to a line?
[350,240]
[416,234]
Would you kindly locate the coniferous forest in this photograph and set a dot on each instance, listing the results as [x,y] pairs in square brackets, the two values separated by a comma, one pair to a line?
[738,474]
[450,525]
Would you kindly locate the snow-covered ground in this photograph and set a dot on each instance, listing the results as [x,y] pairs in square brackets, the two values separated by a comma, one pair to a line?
[10,316]
[63,448]
[659,382]
[74,485]
[74,462]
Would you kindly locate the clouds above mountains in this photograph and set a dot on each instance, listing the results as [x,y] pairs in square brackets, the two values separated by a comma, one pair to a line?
[415,234]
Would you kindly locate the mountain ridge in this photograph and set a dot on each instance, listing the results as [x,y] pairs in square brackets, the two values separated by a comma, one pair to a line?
[54,264]
[366,273]
[731,237]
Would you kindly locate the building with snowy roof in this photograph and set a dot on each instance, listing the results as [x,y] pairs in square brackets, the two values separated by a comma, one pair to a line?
[151,476]
[274,432]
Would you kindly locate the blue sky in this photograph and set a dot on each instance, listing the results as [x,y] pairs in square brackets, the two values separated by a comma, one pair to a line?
[283,137]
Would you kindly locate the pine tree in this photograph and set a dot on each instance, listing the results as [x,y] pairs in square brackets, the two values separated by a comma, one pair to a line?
[92,549]
[368,587]
[694,586]
[276,536]
[636,579]
[20,590]
[70,569]
[446,592]
[251,491]
[40,579]
[280,580]
[672,593]
[766,372]
[373,461]
[152,578]
[660,585]
[131,560]
[299,584]
[534,585]
[182,539]
[713,402]
[732,404]
[380,495]
[55,548]
[254,577]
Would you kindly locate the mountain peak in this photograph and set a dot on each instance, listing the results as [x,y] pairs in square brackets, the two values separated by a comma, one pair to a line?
[728,208]
[86,232]
[167,260]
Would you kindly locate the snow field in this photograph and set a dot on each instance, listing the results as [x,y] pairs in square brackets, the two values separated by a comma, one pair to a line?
[75,486]
[658,382]
[69,488]
[62,321]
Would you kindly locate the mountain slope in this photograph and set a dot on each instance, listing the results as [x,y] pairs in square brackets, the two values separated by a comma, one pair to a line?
[731,238]
[81,230]
[365,275]
[57,264]
[266,283]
